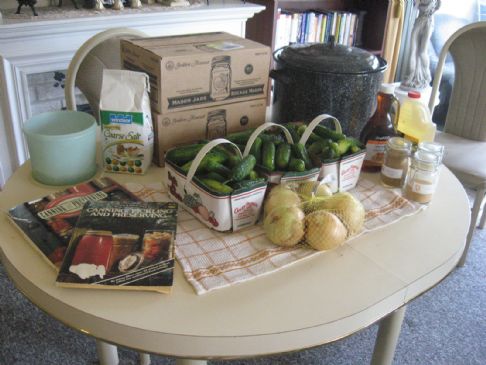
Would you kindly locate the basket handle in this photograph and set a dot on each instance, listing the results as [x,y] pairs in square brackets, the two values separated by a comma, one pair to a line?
[202,153]
[262,128]
[316,121]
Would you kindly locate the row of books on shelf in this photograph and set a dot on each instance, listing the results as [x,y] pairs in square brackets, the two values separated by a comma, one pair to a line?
[99,235]
[318,26]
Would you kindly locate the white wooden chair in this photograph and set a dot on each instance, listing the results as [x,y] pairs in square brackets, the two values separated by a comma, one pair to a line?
[85,71]
[464,135]
[86,68]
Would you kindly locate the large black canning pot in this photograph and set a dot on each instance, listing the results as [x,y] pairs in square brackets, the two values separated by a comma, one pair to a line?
[312,79]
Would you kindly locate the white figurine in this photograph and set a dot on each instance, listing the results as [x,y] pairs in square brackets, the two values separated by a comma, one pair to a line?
[118,5]
[99,5]
[418,76]
[136,4]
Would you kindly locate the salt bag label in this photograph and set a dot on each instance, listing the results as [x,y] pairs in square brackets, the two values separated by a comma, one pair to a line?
[126,122]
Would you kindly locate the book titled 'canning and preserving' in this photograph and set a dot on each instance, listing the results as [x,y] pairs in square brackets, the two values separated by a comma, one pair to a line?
[121,245]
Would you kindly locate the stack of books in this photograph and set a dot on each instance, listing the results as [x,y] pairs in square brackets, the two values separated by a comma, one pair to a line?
[99,235]
[318,26]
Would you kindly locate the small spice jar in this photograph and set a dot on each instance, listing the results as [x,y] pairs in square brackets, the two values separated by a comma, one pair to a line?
[422,177]
[395,165]
[432,147]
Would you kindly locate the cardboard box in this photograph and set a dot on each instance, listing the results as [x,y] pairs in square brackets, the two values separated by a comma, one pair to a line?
[195,71]
[189,126]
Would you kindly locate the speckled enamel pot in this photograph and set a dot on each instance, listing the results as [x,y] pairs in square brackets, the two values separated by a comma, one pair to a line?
[313,79]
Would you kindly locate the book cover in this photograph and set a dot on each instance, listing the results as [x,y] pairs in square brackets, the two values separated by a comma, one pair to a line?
[122,245]
[48,222]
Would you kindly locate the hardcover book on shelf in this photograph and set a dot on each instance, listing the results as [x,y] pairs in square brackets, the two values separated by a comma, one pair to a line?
[48,222]
[122,245]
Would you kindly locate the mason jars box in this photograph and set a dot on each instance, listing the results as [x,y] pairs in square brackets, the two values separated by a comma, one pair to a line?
[200,70]
[189,126]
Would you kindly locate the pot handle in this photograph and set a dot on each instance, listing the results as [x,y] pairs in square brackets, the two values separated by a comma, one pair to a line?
[279,75]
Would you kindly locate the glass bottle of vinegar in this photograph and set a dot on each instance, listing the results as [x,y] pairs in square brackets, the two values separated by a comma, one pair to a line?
[380,128]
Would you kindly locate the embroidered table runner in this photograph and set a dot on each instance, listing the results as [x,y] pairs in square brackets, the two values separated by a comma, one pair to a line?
[212,260]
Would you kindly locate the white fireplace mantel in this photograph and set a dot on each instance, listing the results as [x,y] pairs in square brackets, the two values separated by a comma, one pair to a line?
[31,45]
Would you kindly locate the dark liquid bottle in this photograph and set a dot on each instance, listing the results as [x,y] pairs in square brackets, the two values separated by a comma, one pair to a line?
[379,129]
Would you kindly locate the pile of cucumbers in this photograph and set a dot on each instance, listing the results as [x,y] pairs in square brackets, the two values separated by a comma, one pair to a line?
[273,153]
[324,144]
[221,171]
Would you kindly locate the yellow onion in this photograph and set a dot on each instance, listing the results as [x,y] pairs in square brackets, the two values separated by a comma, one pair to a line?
[324,230]
[284,226]
[281,197]
[306,190]
[348,209]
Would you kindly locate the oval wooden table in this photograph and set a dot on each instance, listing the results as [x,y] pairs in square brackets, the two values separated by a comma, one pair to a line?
[323,299]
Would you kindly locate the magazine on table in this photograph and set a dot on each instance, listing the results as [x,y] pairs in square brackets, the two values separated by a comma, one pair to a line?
[122,245]
[48,222]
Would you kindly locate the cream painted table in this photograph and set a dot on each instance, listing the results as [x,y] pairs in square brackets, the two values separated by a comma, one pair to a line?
[323,299]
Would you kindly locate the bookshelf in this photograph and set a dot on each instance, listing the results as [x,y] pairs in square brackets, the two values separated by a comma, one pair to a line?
[262,27]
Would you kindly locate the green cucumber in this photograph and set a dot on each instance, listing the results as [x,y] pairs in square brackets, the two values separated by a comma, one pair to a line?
[240,137]
[214,166]
[217,186]
[181,155]
[292,128]
[282,156]
[244,168]
[268,156]
[213,156]
[274,138]
[214,176]
[325,132]
[296,164]
[256,149]
[233,160]
[253,175]
[300,152]
[247,183]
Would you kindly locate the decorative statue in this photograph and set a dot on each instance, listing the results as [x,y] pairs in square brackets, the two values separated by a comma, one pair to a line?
[136,4]
[118,5]
[99,5]
[418,70]
[29,3]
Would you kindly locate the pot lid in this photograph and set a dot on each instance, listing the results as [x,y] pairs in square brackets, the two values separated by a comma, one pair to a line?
[330,58]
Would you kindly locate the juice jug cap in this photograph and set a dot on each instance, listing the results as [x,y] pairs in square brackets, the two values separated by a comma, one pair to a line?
[414,94]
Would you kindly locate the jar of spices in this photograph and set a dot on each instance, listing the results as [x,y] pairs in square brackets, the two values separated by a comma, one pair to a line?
[422,177]
[395,165]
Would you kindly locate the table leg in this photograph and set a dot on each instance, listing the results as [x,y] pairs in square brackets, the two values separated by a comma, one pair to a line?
[107,354]
[387,338]
[144,358]
[190,362]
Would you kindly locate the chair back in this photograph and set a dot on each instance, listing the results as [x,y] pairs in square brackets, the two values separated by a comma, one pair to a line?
[466,116]
[85,70]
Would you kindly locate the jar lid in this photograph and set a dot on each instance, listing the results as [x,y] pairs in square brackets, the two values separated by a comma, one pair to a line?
[399,143]
[426,160]
[330,58]
[387,89]
[432,147]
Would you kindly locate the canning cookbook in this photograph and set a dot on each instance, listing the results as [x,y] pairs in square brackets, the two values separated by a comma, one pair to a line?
[122,245]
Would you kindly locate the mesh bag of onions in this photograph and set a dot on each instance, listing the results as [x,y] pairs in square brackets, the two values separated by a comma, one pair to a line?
[310,213]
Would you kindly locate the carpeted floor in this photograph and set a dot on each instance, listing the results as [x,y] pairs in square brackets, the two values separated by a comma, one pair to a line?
[446,326]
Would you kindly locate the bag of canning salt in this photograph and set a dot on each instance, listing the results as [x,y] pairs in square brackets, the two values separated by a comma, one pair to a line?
[127,135]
